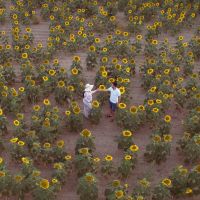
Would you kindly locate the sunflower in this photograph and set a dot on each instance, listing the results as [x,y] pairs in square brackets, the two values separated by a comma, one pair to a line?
[166,71]
[150,71]
[102,69]
[13,140]
[141,107]
[97,40]
[104,59]
[96,159]
[180,38]
[122,105]
[185,44]
[158,101]
[128,157]
[52,72]
[197,169]
[166,182]
[24,55]
[8,47]
[89,178]
[25,160]
[51,17]
[197,140]
[27,47]
[18,178]
[154,42]
[46,102]
[126,80]
[21,143]
[111,80]
[198,109]
[61,84]
[114,60]
[1,160]
[47,145]
[140,197]
[116,183]
[155,110]
[4,94]
[28,30]
[150,102]
[119,194]
[74,71]
[84,151]
[74,104]
[67,112]
[1,112]
[102,87]
[60,143]
[118,67]
[44,184]
[139,37]
[117,32]
[54,180]
[144,182]
[104,49]
[127,133]
[68,157]
[165,96]
[2,173]
[16,123]
[108,158]
[122,90]
[36,108]
[76,110]
[76,59]
[119,79]
[167,118]
[156,138]
[124,60]
[71,88]
[20,116]
[133,109]
[188,191]
[134,148]
[21,89]
[167,138]
[104,74]
[92,48]
[85,133]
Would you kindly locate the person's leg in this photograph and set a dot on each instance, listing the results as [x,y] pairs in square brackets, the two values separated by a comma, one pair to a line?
[87,109]
[85,112]
[110,107]
[114,106]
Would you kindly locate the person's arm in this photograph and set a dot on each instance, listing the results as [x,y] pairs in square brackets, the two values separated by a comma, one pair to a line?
[94,91]
[106,90]
[119,98]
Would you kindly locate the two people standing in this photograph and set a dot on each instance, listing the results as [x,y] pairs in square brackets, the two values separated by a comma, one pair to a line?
[115,97]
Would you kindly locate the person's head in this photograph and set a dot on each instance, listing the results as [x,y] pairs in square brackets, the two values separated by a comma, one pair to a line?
[88,87]
[114,85]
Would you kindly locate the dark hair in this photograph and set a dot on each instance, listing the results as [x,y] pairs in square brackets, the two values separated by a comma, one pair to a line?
[115,83]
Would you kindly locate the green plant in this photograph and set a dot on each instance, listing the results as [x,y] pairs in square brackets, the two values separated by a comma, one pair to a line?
[87,187]
[158,150]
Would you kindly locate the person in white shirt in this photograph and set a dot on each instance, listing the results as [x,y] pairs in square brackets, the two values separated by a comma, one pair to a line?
[115,97]
[87,99]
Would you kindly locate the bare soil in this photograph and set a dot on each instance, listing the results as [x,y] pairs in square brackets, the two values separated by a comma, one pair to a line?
[106,132]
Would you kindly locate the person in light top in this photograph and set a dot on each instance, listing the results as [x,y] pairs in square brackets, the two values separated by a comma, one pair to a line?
[87,99]
[115,97]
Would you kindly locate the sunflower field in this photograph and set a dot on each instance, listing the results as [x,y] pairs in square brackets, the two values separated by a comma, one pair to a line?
[49,50]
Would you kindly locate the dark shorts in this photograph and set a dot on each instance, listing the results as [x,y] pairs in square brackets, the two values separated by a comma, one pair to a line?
[113,106]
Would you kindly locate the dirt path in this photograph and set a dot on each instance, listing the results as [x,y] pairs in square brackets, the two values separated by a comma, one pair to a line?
[106,132]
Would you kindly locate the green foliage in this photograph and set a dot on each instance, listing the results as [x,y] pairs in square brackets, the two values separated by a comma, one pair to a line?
[87,187]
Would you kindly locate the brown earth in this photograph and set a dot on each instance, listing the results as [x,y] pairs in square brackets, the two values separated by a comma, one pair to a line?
[106,132]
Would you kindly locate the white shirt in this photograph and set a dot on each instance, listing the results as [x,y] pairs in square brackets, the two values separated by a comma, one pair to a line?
[114,95]
[88,96]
